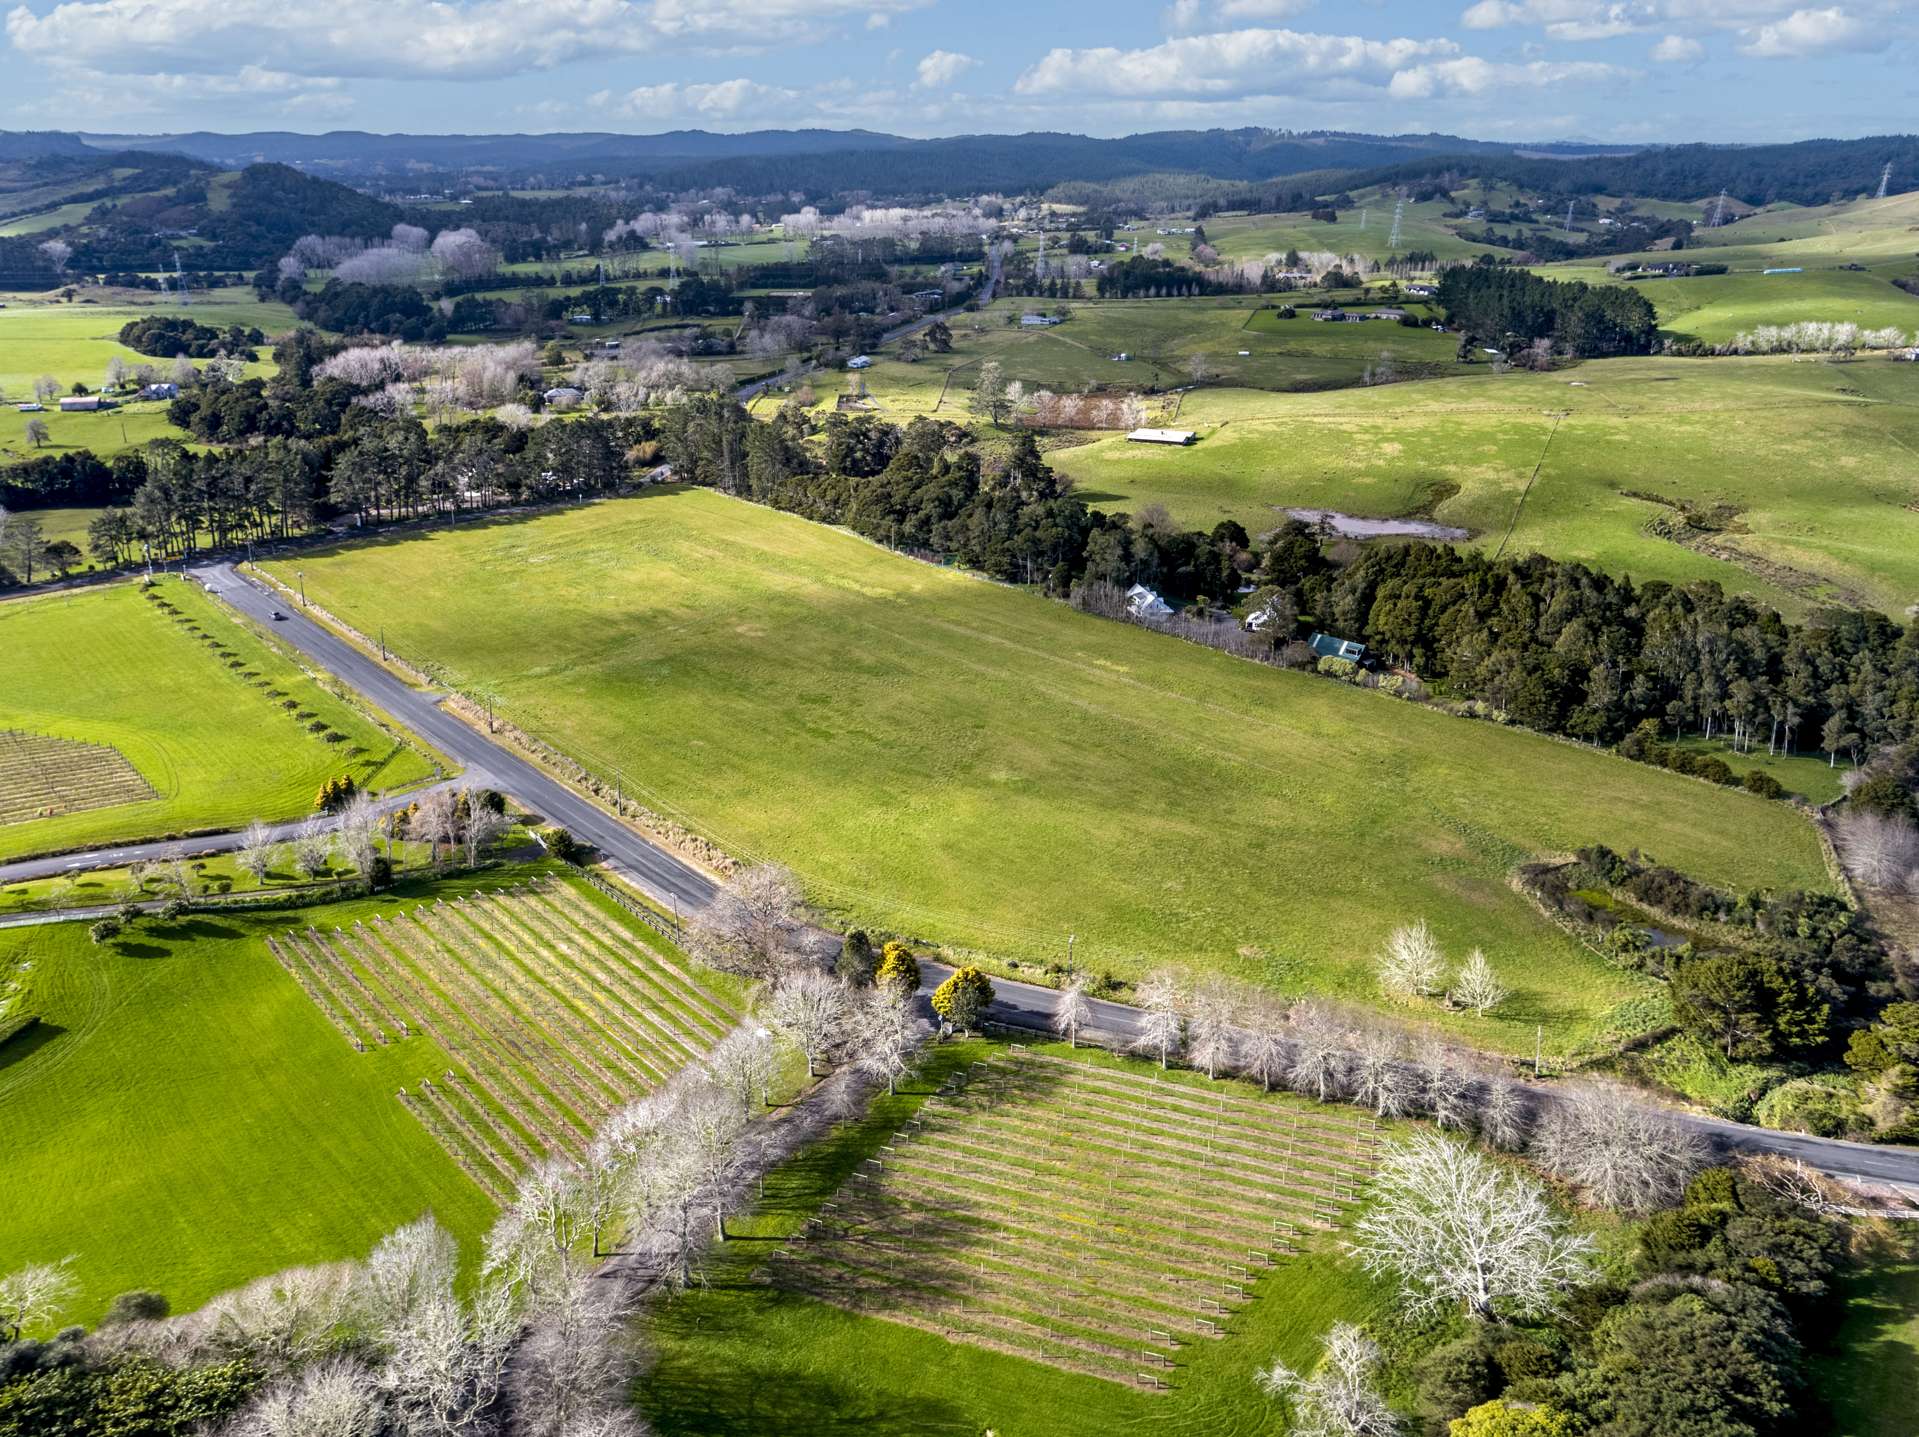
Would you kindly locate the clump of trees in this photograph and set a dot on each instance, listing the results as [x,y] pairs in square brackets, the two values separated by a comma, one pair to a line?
[166,335]
[1499,304]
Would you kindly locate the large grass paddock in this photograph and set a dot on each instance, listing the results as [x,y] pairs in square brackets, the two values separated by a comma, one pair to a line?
[949,758]
[210,734]
[1817,458]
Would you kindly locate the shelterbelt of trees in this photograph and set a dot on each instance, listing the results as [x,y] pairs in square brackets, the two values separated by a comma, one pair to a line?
[1496,302]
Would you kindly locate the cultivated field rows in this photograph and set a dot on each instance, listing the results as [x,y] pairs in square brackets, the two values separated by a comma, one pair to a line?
[41,776]
[1093,1219]
[555,1013]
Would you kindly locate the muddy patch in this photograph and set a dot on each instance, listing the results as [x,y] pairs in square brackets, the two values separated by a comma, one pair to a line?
[1351,526]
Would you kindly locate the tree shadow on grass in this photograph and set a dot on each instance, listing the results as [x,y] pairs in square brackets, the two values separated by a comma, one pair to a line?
[28,1041]
[129,949]
[747,1401]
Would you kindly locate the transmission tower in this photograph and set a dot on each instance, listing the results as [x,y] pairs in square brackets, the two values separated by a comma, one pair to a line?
[1399,213]
[1569,216]
[1718,211]
[1885,178]
[1362,220]
[180,280]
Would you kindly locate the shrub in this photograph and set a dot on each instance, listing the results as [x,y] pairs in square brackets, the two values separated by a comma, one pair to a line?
[898,966]
[173,908]
[1456,1376]
[1337,668]
[106,930]
[563,845]
[857,958]
[379,873]
[1764,784]
[1825,1107]
[1508,1419]
[137,1306]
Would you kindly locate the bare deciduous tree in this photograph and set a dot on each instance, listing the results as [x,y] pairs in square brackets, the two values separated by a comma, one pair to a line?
[1444,1089]
[742,1065]
[1504,1115]
[1791,1180]
[887,1031]
[1160,1024]
[1879,851]
[336,1397]
[285,1320]
[572,1368]
[749,925]
[808,1008]
[1412,965]
[1210,1039]
[1453,1226]
[436,819]
[481,825]
[255,854]
[1264,1053]
[34,1295]
[1624,1154]
[1073,1010]
[1341,1398]
[312,842]
[1477,986]
[354,838]
[1382,1080]
[1319,1060]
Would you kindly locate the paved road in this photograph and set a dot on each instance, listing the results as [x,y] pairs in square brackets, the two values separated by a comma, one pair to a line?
[667,878]
[1027,1005]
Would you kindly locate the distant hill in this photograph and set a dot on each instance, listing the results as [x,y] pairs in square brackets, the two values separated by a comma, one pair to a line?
[823,161]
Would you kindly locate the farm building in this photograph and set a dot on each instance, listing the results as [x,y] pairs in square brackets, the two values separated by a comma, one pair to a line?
[860,361]
[1162,436]
[81,403]
[1038,321]
[1388,313]
[165,389]
[1143,603]
[31,407]
[1337,316]
[563,396]
[612,346]
[1329,647]
[928,298]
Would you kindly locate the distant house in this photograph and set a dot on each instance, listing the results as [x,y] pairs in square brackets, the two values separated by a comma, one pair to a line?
[32,406]
[579,317]
[612,346]
[1038,321]
[1336,316]
[80,403]
[163,389]
[1422,291]
[860,361]
[1329,647]
[1162,436]
[564,397]
[1387,313]
[1122,357]
[1143,603]
[929,298]
[1786,269]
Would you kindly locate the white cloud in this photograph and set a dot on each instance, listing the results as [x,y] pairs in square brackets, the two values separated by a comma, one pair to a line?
[1183,17]
[1228,65]
[1469,75]
[1677,50]
[722,101]
[940,69]
[442,39]
[878,20]
[1812,32]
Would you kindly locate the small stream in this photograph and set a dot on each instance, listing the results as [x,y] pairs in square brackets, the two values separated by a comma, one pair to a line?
[1351,526]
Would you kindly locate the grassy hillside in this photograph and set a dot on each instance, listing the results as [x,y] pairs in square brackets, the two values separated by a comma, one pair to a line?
[1715,308]
[948,758]
[105,666]
[1817,459]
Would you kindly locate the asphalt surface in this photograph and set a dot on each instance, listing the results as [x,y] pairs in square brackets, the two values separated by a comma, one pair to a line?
[665,877]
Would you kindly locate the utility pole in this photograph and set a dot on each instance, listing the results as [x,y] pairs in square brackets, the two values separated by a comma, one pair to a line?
[1539,1044]
[301,574]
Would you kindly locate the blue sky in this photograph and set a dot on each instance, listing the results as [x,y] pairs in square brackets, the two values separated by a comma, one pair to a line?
[1627,70]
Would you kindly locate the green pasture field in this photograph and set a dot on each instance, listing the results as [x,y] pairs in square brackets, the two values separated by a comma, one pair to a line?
[185,1119]
[33,224]
[1817,457]
[954,760]
[1863,231]
[737,1357]
[1161,336]
[1716,307]
[1871,1370]
[106,666]
[73,343]
[1241,236]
